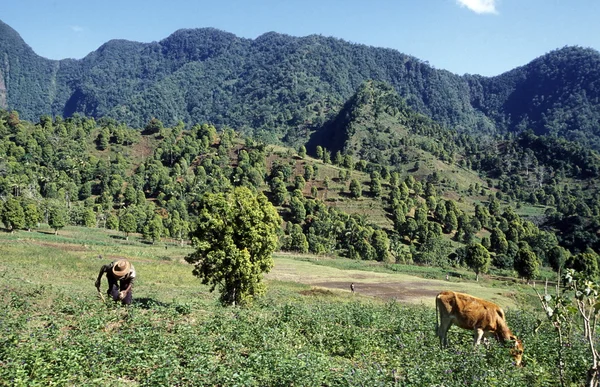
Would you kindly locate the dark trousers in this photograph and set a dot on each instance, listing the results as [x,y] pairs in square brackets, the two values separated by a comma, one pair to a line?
[114,288]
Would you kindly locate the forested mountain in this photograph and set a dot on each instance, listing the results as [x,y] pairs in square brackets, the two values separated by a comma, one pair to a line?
[283,87]
[377,125]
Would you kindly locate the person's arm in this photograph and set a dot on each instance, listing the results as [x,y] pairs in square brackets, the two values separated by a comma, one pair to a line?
[103,270]
[123,293]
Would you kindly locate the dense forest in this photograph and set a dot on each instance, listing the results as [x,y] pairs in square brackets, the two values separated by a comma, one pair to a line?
[284,88]
[465,211]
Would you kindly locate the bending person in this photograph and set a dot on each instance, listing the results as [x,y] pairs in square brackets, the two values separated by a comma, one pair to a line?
[120,275]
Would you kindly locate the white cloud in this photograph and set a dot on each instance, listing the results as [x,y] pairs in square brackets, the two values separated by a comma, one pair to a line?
[479,6]
[76,28]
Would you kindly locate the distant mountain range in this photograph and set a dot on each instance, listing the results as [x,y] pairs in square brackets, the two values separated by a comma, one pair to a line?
[285,88]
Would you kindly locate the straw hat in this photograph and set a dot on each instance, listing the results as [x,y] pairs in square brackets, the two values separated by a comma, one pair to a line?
[121,268]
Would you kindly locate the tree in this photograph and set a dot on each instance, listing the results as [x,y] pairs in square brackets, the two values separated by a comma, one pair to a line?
[308,172]
[299,182]
[478,259]
[32,216]
[279,191]
[302,151]
[127,224]
[234,236]
[12,215]
[112,222]
[498,241]
[298,212]
[381,244]
[153,126]
[527,264]
[319,152]
[355,189]
[557,257]
[103,138]
[450,223]
[154,228]
[376,186]
[298,240]
[89,218]
[585,263]
[57,217]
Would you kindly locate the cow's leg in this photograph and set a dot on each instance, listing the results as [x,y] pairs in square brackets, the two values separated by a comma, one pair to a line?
[445,325]
[477,335]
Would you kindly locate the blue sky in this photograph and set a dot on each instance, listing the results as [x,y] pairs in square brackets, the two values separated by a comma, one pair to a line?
[484,37]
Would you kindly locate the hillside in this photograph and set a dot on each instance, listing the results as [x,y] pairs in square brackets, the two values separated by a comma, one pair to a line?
[425,204]
[284,88]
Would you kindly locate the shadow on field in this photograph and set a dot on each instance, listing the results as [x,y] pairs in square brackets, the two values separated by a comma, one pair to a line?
[148,303]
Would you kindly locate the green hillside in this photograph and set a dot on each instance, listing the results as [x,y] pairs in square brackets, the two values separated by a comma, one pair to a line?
[284,88]
[425,204]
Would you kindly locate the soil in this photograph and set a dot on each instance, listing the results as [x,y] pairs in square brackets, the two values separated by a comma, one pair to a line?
[412,292]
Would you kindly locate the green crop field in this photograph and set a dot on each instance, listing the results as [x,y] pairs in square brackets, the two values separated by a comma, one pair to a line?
[308,330]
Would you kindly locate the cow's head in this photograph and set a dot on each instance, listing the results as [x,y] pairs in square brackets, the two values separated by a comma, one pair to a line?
[517,350]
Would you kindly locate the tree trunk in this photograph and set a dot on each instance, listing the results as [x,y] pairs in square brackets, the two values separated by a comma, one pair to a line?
[592,377]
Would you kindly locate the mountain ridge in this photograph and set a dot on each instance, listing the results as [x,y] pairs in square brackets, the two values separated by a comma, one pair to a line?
[283,87]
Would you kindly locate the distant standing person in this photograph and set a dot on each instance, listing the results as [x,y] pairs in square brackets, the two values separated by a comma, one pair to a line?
[120,275]
[352,287]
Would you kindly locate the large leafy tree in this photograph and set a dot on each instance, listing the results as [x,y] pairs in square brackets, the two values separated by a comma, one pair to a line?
[12,215]
[127,224]
[57,217]
[235,235]
[527,263]
[32,215]
[154,228]
[477,258]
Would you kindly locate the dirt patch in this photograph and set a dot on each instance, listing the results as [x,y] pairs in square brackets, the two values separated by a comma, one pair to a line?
[412,292]
[317,292]
[386,286]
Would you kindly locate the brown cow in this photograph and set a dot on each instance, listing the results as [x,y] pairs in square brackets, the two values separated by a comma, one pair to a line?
[481,316]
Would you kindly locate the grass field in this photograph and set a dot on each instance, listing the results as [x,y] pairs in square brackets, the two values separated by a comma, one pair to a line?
[308,329]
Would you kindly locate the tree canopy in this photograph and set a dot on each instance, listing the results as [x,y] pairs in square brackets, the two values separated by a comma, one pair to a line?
[234,236]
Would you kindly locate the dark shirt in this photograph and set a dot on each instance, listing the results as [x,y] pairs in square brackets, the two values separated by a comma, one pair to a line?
[112,278]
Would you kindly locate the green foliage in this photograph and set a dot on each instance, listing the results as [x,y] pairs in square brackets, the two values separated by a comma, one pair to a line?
[302,151]
[154,228]
[234,237]
[527,264]
[585,263]
[57,216]
[297,210]
[283,93]
[112,222]
[298,240]
[279,191]
[355,189]
[557,257]
[32,215]
[477,258]
[12,215]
